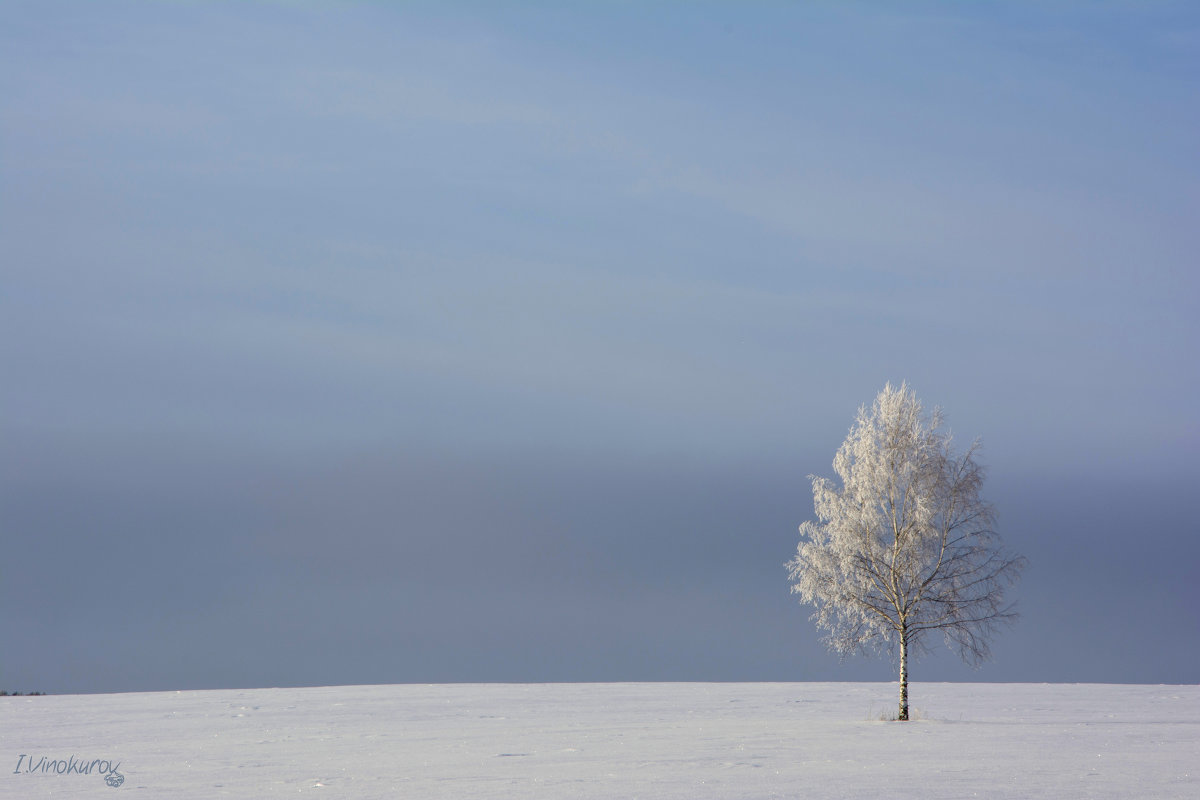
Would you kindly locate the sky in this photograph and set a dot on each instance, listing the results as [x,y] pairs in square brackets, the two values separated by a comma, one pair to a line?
[384,343]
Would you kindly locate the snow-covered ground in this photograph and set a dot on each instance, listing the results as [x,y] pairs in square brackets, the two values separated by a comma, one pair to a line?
[651,740]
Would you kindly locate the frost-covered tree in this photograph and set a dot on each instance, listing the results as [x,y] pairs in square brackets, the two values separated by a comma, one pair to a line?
[904,546]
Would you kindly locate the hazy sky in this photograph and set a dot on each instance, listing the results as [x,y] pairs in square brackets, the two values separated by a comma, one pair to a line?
[379,343]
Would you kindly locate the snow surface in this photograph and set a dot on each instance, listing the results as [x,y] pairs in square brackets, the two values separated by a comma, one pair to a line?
[649,740]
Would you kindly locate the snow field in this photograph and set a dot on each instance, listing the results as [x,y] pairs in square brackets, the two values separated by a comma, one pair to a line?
[632,740]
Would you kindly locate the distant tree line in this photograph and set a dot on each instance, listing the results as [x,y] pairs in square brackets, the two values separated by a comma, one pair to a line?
[21,694]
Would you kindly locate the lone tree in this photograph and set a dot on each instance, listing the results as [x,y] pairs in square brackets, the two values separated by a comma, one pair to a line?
[904,546]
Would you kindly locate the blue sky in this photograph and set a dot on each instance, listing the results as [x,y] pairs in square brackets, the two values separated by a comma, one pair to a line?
[426,342]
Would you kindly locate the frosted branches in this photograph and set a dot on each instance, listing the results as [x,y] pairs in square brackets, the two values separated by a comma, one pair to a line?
[903,544]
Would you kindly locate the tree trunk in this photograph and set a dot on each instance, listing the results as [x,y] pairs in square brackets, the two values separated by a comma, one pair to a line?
[903,676]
